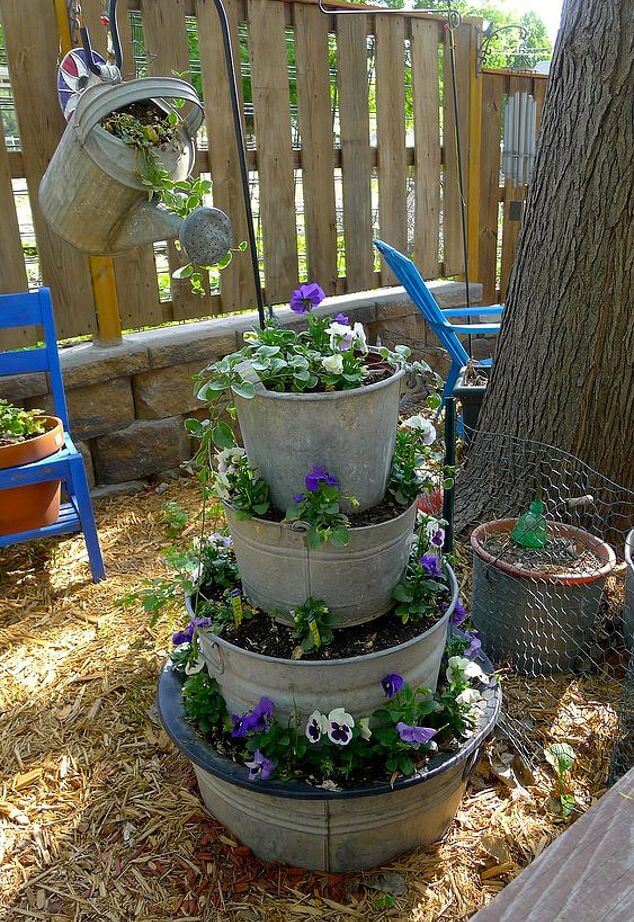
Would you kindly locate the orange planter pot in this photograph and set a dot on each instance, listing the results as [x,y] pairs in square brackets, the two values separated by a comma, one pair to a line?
[36,505]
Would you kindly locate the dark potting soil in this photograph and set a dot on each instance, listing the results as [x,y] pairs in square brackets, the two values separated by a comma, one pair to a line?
[261,634]
[559,555]
[386,510]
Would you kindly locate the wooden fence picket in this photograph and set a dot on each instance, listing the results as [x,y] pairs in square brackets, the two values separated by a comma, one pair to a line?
[271,103]
[352,66]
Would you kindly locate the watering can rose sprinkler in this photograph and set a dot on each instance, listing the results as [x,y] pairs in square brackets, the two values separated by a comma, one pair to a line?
[92,193]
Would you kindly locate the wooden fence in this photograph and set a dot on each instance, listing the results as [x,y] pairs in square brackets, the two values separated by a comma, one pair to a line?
[350,136]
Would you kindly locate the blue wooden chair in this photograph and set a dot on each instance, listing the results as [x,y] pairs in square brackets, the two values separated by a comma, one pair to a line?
[35,309]
[416,287]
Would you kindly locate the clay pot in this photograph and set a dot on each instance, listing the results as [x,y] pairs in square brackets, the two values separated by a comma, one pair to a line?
[36,505]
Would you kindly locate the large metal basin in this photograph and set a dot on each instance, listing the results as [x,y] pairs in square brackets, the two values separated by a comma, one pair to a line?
[337,831]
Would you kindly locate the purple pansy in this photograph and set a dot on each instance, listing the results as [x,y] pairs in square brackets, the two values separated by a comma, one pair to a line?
[299,498]
[341,318]
[318,476]
[392,684]
[306,297]
[458,615]
[415,735]
[183,636]
[219,540]
[260,767]
[472,651]
[187,634]
[432,564]
[253,721]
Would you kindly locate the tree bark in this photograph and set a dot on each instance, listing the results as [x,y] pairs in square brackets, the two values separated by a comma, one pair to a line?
[564,370]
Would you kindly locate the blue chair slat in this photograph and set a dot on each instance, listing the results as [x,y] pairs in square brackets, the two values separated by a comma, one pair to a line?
[416,287]
[15,312]
[35,309]
[23,361]
[495,310]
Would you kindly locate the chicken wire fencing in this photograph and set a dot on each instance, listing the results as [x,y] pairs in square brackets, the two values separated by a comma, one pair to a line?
[545,571]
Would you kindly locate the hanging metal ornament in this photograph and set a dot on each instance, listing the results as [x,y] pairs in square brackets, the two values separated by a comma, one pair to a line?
[73,77]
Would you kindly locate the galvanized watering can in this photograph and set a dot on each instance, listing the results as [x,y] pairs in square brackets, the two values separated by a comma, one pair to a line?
[92,195]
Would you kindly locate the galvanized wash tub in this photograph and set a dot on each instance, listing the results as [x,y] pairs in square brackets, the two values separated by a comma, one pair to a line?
[279,571]
[299,686]
[628,616]
[349,433]
[540,622]
[322,830]
[91,193]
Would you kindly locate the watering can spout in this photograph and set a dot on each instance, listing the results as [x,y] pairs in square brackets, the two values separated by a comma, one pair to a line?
[145,223]
[205,234]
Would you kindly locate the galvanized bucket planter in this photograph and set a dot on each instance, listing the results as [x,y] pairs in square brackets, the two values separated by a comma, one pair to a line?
[279,571]
[322,830]
[91,193]
[349,433]
[628,616]
[538,621]
[299,686]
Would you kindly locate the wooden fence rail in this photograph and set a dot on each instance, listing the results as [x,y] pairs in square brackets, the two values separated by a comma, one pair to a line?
[350,136]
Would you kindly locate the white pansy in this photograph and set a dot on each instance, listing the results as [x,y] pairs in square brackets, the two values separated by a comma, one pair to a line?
[360,340]
[422,425]
[333,364]
[340,726]
[413,422]
[469,696]
[195,666]
[460,668]
[366,733]
[316,726]
[228,457]
[250,336]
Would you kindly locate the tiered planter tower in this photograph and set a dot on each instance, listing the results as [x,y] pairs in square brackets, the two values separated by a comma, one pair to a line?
[352,435]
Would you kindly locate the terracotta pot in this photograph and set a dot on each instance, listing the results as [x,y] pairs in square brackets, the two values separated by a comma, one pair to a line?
[36,505]
[538,621]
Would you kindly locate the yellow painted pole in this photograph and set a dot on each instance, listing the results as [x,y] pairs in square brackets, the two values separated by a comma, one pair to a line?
[474,153]
[104,285]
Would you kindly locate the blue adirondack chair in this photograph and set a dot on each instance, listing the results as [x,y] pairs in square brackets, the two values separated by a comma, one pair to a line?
[35,309]
[437,318]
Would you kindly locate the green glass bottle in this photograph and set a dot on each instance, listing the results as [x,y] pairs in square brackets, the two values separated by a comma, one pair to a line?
[531,530]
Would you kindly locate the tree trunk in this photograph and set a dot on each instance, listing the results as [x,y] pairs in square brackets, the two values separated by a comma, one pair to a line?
[564,371]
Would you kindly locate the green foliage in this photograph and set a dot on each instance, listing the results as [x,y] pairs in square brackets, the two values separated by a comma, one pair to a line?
[313,624]
[562,758]
[321,510]
[416,593]
[413,470]
[240,484]
[205,563]
[174,519]
[204,705]
[18,425]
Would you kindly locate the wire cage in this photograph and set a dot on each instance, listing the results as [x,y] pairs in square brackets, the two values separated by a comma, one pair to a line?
[554,618]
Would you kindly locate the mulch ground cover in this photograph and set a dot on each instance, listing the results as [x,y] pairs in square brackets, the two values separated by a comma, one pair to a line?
[100,817]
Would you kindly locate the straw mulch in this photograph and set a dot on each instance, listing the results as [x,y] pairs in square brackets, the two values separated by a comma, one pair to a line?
[99,815]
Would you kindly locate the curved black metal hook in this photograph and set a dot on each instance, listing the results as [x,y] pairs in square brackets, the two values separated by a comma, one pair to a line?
[114,32]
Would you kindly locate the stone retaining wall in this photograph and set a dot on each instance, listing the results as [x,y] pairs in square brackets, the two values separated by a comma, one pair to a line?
[127,403]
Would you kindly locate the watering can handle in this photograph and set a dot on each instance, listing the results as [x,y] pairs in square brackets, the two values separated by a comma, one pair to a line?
[98,101]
